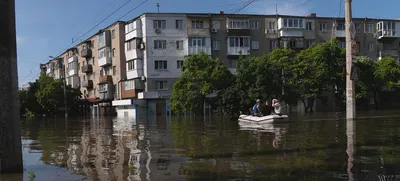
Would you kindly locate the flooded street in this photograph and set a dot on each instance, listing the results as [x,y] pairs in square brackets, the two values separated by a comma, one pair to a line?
[312,148]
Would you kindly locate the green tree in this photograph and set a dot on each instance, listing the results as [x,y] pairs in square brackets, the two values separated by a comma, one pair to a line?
[315,70]
[201,77]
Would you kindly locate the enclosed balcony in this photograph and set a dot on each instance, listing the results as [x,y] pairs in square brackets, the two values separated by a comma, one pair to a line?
[87,68]
[72,68]
[238,46]
[105,79]
[388,53]
[291,27]
[387,30]
[104,39]
[106,91]
[194,50]
[105,57]
[87,84]
[198,44]
[86,52]
[238,27]
[73,58]
[134,68]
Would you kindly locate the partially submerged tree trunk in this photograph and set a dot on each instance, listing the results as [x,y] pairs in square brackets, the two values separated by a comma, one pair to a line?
[308,106]
[10,129]
[375,92]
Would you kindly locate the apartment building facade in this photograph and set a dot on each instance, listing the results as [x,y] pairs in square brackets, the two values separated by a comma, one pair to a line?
[136,63]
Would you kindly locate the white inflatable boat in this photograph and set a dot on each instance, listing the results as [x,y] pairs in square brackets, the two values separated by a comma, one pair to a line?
[263,119]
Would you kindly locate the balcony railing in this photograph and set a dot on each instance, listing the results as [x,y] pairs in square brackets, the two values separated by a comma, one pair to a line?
[87,68]
[105,79]
[88,84]
[86,52]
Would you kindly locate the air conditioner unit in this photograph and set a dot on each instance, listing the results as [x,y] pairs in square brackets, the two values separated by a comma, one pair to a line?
[143,78]
[157,30]
[214,30]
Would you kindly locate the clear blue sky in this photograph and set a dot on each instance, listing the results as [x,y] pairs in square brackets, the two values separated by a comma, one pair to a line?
[45,27]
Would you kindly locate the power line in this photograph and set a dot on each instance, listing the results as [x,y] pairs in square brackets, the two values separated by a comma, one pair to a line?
[305,2]
[96,25]
[133,9]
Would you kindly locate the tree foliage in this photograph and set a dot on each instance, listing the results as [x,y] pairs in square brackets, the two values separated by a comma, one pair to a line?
[46,96]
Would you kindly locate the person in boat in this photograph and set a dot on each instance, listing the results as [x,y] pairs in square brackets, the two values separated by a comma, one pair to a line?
[277,107]
[268,108]
[256,109]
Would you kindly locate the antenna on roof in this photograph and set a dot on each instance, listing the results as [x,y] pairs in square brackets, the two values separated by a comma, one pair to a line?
[158,7]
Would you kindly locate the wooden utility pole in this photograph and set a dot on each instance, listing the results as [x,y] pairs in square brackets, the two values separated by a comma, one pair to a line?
[10,126]
[350,85]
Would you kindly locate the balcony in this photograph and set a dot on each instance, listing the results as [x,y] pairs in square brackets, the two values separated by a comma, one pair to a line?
[87,84]
[198,32]
[194,50]
[87,52]
[72,68]
[387,30]
[238,27]
[340,34]
[238,50]
[87,68]
[105,57]
[73,81]
[105,79]
[148,95]
[133,54]
[386,53]
[73,58]
[104,39]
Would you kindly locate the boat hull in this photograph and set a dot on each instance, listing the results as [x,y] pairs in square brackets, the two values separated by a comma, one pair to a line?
[264,119]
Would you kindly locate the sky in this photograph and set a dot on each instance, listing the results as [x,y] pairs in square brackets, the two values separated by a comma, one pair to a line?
[46,27]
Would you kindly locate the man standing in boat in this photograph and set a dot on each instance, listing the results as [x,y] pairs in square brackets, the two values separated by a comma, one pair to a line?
[256,109]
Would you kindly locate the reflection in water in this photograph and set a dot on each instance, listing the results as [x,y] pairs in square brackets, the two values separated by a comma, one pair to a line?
[215,149]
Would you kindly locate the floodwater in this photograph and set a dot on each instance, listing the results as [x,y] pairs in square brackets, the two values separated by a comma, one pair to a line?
[316,147]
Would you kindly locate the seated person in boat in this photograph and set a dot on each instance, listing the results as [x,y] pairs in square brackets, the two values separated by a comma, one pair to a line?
[268,108]
[256,109]
[277,107]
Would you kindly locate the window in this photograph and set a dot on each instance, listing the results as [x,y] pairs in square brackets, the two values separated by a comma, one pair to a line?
[340,27]
[114,70]
[197,24]
[104,53]
[159,24]
[238,24]
[255,45]
[273,44]
[179,45]
[292,23]
[272,25]
[179,64]
[371,46]
[309,26]
[131,65]
[113,33]
[370,28]
[197,41]
[130,45]
[309,43]
[239,41]
[179,24]
[93,61]
[357,27]
[131,84]
[129,27]
[161,85]
[254,24]
[216,45]
[160,65]
[160,44]
[322,27]
[114,52]
[342,44]
[92,44]
[102,40]
[232,63]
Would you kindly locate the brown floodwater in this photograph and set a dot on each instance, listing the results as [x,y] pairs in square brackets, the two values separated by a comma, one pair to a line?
[313,147]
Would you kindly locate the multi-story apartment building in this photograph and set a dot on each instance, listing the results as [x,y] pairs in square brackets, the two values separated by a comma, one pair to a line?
[135,63]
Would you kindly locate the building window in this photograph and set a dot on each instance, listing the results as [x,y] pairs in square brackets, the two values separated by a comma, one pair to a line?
[179,64]
[92,44]
[159,24]
[342,44]
[232,63]
[129,27]
[357,27]
[197,24]
[103,88]
[104,53]
[113,33]
[272,25]
[129,85]
[254,24]
[370,28]
[309,26]
[371,46]
[255,45]
[114,52]
[322,27]
[179,24]
[309,43]
[197,41]
[161,85]
[114,70]
[239,41]
[292,23]
[216,45]
[130,45]
[179,45]
[160,65]
[160,44]
[131,65]
[340,27]
[273,44]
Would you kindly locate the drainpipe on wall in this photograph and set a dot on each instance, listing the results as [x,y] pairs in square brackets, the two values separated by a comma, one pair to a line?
[119,87]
